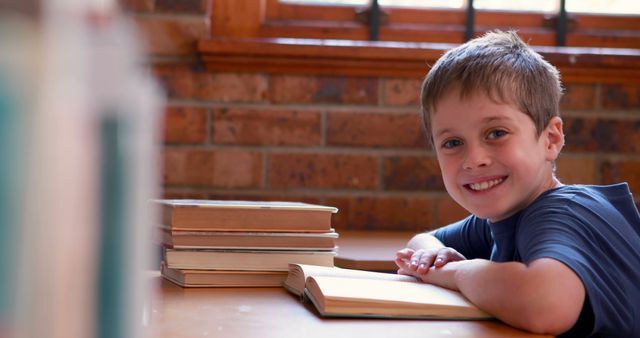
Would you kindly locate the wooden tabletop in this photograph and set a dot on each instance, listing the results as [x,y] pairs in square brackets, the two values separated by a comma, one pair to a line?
[275,313]
[370,250]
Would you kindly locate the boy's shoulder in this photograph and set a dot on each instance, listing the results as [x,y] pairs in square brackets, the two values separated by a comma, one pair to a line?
[608,202]
[589,194]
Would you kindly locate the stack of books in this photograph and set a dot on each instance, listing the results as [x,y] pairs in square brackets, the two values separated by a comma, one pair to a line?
[207,243]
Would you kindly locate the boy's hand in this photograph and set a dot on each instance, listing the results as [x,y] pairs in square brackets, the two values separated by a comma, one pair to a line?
[419,261]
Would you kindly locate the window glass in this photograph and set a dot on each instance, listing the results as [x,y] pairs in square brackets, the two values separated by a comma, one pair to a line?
[578,6]
[518,5]
[423,3]
[327,2]
[394,3]
[604,6]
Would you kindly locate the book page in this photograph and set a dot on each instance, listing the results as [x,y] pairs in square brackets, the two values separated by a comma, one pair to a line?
[247,204]
[387,298]
[298,274]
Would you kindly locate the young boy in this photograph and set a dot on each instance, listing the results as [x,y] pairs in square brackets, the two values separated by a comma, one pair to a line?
[537,254]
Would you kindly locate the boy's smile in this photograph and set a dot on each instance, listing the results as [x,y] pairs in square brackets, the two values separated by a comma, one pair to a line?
[492,161]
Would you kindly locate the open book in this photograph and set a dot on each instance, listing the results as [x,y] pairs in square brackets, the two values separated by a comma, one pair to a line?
[354,293]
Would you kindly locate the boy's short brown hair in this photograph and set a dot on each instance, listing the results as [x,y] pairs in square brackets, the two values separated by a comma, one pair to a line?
[502,66]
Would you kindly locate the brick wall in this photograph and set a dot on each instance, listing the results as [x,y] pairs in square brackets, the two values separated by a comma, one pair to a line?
[351,142]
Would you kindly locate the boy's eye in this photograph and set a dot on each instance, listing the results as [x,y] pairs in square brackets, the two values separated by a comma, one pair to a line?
[495,134]
[448,144]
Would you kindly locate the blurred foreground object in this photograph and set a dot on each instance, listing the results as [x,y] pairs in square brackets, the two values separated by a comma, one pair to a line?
[78,133]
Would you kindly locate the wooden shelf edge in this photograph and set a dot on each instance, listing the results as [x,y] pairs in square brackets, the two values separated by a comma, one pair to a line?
[395,59]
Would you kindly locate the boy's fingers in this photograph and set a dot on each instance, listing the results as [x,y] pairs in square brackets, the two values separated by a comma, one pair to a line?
[406,252]
[426,261]
[406,272]
[447,255]
[401,262]
[416,259]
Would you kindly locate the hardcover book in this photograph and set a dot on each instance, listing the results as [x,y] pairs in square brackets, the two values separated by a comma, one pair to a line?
[223,278]
[251,260]
[337,292]
[213,215]
[177,239]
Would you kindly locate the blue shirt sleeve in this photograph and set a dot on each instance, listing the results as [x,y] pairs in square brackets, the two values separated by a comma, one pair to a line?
[471,237]
[599,245]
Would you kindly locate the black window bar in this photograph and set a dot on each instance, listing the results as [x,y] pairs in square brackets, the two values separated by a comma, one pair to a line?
[374,20]
[561,26]
[469,23]
[372,17]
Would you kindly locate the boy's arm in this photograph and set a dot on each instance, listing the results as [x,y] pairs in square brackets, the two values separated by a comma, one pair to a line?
[544,296]
[423,251]
[425,240]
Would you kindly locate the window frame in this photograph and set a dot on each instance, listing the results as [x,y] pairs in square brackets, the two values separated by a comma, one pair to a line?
[267,36]
[444,25]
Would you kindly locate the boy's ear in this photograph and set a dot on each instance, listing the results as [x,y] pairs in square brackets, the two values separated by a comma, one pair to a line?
[554,138]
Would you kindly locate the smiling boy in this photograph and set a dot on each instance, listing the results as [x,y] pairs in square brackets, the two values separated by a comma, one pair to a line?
[537,254]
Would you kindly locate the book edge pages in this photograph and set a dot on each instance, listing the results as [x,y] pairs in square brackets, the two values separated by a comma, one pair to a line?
[267,205]
[371,303]
[308,295]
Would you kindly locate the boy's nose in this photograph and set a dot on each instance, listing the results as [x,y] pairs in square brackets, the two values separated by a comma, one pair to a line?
[476,157]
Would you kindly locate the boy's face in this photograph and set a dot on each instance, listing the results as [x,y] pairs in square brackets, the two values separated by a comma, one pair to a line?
[492,161]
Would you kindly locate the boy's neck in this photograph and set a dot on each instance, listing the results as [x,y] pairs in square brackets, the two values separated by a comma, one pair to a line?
[555,183]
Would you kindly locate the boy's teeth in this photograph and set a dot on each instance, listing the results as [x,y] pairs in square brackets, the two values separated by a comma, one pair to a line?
[484,185]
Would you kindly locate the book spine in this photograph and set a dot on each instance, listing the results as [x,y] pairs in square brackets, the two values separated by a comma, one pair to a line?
[74,208]
[13,109]
[128,108]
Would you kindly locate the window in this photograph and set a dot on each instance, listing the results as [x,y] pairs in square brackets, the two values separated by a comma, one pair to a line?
[334,38]
[590,23]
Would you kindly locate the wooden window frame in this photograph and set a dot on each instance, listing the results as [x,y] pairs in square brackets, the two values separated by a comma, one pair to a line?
[272,19]
[268,36]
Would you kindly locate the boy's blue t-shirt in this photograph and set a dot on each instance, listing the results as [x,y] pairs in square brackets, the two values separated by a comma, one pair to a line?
[594,230]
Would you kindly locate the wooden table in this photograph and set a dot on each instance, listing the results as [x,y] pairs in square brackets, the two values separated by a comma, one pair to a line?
[370,250]
[275,313]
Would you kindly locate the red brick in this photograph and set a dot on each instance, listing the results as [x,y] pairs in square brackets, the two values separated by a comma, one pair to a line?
[576,170]
[192,81]
[264,195]
[322,89]
[382,213]
[177,80]
[209,168]
[136,5]
[376,130]
[231,87]
[448,211]
[172,36]
[402,92]
[241,195]
[622,171]
[601,135]
[412,173]
[266,127]
[187,125]
[579,96]
[171,194]
[621,96]
[323,171]
[182,6]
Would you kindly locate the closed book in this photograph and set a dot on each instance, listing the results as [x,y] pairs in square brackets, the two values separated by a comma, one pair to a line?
[337,292]
[177,239]
[223,278]
[254,260]
[213,215]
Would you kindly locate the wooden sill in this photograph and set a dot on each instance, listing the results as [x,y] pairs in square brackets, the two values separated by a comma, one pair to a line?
[396,59]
